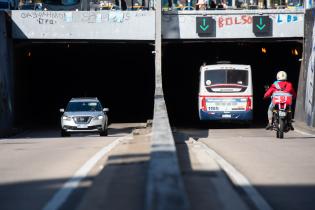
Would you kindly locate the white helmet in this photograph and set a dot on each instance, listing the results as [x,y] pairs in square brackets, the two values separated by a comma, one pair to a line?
[281,75]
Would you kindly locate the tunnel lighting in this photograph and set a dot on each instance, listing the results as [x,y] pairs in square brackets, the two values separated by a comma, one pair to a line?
[295,52]
[263,50]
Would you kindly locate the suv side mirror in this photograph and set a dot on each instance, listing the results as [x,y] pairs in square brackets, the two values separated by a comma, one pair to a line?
[62,110]
[105,109]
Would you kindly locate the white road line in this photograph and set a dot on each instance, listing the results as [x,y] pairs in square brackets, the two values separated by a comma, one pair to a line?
[61,196]
[239,180]
[303,133]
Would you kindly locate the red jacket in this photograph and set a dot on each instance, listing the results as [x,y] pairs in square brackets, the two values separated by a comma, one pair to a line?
[284,86]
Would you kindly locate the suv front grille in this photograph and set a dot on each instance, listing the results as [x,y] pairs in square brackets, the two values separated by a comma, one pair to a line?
[82,119]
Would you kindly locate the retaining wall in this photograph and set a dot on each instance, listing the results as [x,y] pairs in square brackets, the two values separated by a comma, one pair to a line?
[305,110]
[6,76]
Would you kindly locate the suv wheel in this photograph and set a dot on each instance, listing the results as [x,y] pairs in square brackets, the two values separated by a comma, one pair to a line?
[64,133]
[104,132]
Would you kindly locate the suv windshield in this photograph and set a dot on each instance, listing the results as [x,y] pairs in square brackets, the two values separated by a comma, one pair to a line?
[86,106]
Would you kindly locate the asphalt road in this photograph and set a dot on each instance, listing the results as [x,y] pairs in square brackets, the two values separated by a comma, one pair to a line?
[283,171]
[36,164]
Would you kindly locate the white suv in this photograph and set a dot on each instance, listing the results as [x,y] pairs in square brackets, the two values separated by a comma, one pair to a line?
[84,115]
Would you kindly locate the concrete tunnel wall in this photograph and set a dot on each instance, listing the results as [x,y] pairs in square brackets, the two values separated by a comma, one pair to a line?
[6,77]
[305,106]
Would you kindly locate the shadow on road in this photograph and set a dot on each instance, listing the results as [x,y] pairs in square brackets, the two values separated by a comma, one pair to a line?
[54,132]
[204,193]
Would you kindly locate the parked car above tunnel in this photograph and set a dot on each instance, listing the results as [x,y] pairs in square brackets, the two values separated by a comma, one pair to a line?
[84,115]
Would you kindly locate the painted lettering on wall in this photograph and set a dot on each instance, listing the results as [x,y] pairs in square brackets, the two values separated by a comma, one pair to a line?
[43,17]
[53,17]
[42,14]
[118,17]
[46,21]
[89,17]
[224,21]
[287,18]
[68,17]
[113,17]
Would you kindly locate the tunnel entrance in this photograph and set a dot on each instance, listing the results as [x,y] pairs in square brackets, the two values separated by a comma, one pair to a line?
[181,63]
[48,75]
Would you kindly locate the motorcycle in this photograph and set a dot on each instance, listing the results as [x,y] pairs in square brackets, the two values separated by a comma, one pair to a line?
[281,118]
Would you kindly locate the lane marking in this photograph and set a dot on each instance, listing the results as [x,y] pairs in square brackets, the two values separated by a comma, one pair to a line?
[303,133]
[61,196]
[238,179]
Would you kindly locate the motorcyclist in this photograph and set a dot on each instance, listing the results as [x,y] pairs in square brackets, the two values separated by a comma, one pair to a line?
[280,85]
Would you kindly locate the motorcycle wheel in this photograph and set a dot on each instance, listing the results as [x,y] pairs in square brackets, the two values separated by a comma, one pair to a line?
[281,128]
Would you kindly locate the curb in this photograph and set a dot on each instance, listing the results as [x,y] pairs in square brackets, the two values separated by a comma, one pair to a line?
[11,132]
[304,129]
[165,186]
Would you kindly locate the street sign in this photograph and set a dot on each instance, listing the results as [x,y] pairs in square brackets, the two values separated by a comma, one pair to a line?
[262,25]
[205,26]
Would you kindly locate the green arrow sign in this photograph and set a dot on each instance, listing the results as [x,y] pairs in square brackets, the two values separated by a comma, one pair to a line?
[261,26]
[204,26]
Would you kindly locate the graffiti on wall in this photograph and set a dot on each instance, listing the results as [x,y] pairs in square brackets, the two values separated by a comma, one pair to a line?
[309,109]
[234,20]
[287,18]
[54,17]
[43,17]
[241,20]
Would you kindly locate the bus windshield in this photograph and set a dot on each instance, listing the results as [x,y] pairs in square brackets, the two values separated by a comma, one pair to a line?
[226,77]
[226,80]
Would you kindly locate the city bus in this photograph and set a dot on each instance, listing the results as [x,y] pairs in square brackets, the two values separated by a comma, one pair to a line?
[225,92]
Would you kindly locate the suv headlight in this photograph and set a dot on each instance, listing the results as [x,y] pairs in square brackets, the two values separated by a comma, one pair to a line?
[100,117]
[66,118]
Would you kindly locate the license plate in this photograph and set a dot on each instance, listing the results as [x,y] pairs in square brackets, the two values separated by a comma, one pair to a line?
[282,114]
[82,126]
[226,116]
